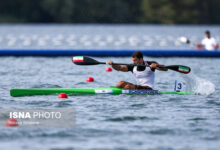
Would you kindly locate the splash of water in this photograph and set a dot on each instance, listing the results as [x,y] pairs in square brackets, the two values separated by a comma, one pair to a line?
[198,85]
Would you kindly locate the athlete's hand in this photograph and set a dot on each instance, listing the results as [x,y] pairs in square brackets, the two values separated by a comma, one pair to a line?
[153,65]
[158,67]
[110,62]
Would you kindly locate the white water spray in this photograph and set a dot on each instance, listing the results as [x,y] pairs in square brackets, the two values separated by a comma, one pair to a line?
[198,85]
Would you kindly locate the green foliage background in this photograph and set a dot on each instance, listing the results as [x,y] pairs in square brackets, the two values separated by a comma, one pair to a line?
[111,11]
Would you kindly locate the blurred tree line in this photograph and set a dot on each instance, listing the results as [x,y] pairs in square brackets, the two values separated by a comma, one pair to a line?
[110,11]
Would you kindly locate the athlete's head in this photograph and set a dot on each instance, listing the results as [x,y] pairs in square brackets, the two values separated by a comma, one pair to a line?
[207,34]
[137,57]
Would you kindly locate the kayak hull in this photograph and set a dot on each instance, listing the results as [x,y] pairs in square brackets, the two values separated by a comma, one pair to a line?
[88,91]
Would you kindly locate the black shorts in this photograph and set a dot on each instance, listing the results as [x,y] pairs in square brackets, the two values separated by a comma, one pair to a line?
[141,87]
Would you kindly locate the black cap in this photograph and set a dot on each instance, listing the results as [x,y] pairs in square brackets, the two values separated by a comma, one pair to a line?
[207,32]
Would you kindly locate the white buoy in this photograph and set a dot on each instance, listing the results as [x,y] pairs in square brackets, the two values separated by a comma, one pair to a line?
[177,43]
[34,37]
[109,39]
[27,42]
[97,38]
[71,40]
[87,43]
[133,41]
[41,42]
[72,43]
[118,43]
[170,38]
[158,37]
[11,40]
[102,43]
[84,38]
[145,37]
[182,39]
[46,37]
[148,43]
[163,43]
[57,41]
[122,39]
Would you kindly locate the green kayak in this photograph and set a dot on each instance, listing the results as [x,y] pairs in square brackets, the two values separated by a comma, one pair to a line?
[89,91]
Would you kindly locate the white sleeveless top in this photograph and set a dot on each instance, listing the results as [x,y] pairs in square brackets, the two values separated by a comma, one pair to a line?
[144,78]
[209,44]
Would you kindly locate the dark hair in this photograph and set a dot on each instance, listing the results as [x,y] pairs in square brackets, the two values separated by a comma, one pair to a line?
[137,54]
[207,32]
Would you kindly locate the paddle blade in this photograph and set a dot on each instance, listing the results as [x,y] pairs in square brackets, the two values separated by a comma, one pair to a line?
[179,68]
[83,60]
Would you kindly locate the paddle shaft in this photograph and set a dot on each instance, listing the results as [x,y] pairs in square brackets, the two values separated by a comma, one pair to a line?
[123,64]
[171,67]
[83,60]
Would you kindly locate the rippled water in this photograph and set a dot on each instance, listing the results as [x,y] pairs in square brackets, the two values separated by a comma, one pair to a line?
[162,122]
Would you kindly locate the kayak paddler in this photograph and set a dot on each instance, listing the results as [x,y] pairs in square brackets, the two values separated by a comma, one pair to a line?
[144,75]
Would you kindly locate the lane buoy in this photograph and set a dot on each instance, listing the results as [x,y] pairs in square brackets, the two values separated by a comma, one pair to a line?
[90,79]
[11,122]
[108,69]
[62,95]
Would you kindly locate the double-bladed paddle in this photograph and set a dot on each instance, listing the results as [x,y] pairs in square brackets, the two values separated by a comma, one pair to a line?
[84,60]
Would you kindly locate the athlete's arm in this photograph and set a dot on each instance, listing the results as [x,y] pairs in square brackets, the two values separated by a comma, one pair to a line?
[199,46]
[157,66]
[216,46]
[118,67]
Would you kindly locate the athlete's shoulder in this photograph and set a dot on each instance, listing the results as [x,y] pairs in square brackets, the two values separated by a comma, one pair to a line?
[204,41]
[213,39]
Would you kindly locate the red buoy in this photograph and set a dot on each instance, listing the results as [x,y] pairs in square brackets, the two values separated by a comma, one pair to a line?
[62,95]
[108,69]
[90,79]
[11,122]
